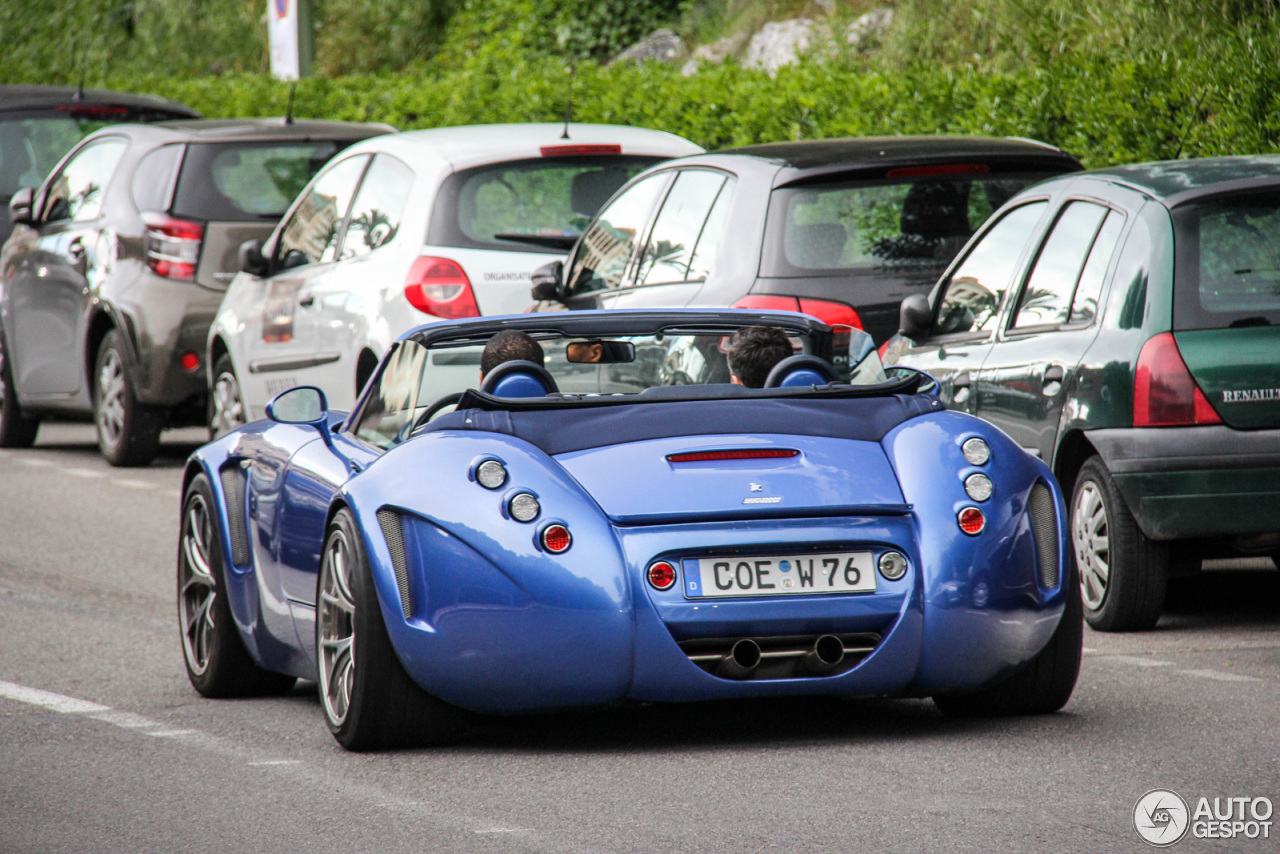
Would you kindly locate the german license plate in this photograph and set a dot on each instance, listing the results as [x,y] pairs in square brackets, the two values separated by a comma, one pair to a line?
[833,572]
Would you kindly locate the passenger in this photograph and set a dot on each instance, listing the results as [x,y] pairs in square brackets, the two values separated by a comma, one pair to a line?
[509,345]
[753,351]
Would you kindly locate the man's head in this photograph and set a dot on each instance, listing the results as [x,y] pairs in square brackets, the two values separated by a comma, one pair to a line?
[753,351]
[509,345]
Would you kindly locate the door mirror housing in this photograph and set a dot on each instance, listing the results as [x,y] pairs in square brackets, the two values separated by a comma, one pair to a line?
[914,317]
[251,259]
[304,404]
[547,281]
[21,206]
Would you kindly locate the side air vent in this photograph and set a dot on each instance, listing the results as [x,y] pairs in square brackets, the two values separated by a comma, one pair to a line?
[1044,527]
[233,487]
[391,530]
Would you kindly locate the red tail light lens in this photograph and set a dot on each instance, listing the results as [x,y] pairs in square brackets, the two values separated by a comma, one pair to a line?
[828,311]
[440,287]
[662,574]
[1164,392]
[172,246]
[556,539]
[972,521]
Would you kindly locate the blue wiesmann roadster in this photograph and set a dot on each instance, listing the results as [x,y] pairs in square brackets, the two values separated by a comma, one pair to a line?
[623,523]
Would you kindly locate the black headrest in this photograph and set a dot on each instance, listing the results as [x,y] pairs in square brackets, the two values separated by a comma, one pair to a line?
[519,378]
[807,369]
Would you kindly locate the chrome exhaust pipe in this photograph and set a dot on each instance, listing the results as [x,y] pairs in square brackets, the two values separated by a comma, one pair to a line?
[741,660]
[827,653]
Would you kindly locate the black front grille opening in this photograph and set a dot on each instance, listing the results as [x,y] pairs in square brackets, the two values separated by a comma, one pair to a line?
[780,656]
[233,480]
[1044,528]
[392,531]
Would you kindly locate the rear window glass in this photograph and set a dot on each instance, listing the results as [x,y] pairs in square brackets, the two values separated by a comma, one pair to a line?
[539,205]
[851,226]
[247,181]
[1228,262]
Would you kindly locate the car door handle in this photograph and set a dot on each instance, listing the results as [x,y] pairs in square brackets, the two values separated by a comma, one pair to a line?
[307,300]
[961,380]
[79,261]
[1054,374]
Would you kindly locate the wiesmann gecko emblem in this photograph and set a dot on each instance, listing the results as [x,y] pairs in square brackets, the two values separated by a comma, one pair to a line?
[762,499]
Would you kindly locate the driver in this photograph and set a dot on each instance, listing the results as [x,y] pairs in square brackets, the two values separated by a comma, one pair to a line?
[509,345]
[752,352]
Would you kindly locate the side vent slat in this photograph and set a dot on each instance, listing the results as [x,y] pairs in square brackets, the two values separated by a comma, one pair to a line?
[1044,527]
[233,487]
[391,530]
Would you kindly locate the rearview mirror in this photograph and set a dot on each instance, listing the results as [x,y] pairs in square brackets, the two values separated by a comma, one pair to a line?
[305,404]
[914,317]
[546,282]
[20,206]
[251,259]
[603,352]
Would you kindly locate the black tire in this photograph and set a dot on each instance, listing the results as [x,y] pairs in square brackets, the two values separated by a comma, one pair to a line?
[1041,687]
[218,664]
[16,430]
[226,403]
[369,701]
[128,430]
[1124,576]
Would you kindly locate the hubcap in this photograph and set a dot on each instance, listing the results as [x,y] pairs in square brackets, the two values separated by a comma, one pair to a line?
[336,627]
[111,403]
[196,589]
[228,409]
[1091,537]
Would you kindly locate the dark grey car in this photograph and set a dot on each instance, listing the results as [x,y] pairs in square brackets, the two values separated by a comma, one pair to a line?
[118,262]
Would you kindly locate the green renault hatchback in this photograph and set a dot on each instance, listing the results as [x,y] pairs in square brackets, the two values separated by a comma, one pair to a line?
[1124,325]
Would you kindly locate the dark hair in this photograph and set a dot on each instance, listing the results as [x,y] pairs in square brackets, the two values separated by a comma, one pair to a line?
[509,345]
[754,350]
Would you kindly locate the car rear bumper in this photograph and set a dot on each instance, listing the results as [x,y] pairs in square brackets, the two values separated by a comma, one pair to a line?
[1190,482]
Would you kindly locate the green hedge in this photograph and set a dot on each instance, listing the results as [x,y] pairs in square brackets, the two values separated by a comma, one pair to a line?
[1105,108]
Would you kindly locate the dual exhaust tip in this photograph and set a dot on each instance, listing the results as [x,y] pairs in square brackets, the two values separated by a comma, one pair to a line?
[826,653]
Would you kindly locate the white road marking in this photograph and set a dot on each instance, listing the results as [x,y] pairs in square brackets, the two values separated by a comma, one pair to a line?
[35,462]
[134,484]
[275,762]
[1137,660]
[1220,675]
[49,700]
[128,720]
[85,473]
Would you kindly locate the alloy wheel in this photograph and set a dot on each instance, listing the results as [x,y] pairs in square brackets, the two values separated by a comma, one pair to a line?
[336,627]
[111,402]
[197,589]
[228,407]
[1091,538]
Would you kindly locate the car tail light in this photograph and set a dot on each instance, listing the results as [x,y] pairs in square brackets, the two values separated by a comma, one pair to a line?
[661,574]
[172,245]
[971,521]
[1164,392]
[732,454]
[440,287]
[828,311]
[556,539]
[190,361]
[575,150]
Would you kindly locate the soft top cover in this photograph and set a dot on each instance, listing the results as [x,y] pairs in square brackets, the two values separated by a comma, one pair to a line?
[558,430]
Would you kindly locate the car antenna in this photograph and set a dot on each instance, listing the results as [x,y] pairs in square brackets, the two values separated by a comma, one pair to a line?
[288,110]
[568,106]
[1187,130]
[79,95]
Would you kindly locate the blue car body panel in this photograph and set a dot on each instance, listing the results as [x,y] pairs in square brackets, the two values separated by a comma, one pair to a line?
[491,621]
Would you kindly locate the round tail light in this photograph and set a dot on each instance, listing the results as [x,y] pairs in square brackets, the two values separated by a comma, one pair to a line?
[556,539]
[972,521]
[662,575]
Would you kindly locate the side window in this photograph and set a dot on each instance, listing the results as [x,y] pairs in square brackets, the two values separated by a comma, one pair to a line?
[153,179]
[704,255]
[1046,297]
[1084,306]
[76,193]
[610,241]
[311,234]
[378,208]
[972,296]
[392,401]
[668,253]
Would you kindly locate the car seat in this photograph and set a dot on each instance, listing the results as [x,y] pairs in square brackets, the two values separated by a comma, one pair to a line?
[519,378]
[799,371]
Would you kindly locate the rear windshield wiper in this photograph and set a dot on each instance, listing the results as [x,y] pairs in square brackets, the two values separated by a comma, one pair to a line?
[552,241]
[1249,321]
